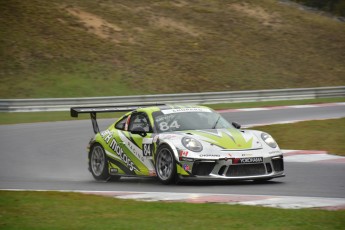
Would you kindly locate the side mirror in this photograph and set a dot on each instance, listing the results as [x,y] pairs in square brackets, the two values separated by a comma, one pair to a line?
[139,131]
[236,125]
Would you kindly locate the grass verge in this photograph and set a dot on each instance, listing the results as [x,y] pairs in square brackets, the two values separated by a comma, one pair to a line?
[16,118]
[56,210]
[325,135]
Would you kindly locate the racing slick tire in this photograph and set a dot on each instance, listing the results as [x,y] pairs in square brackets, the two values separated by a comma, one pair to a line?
[166,165]
[98,164]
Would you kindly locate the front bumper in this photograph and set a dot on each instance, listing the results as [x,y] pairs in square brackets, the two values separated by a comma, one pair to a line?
[228,169]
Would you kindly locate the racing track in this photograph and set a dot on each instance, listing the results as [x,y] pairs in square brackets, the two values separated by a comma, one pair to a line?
[51,156]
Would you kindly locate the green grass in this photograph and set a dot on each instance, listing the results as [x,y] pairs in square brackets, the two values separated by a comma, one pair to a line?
[325,135]
[54,210]
[164,47]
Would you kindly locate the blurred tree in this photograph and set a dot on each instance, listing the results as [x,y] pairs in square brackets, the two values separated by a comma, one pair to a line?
[334,6]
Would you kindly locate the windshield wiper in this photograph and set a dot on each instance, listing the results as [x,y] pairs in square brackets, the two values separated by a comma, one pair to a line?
[215,125]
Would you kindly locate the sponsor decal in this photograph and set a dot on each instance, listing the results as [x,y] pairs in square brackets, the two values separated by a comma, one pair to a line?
[209,155]
[184,110]
[106,135]
[134,149]
[274,152]
[113,171]
[186,167]
[119,151]
[183,153]
[166,118]
[170,136]
[247,154]
[249,160]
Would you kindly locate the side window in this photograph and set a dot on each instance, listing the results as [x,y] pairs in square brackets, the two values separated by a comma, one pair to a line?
[139,121]
[121,124]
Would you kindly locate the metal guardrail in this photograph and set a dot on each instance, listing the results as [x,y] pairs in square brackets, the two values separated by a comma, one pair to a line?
[64,104]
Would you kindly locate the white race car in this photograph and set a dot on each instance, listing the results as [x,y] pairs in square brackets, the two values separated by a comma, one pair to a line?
[174,143]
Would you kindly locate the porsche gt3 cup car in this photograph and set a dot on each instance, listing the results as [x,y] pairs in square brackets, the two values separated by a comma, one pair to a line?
[179,142]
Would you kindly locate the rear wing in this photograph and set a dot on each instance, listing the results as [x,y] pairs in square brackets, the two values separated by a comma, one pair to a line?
[104,109]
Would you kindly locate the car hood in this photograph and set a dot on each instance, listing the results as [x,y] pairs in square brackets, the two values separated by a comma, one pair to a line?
[232,139]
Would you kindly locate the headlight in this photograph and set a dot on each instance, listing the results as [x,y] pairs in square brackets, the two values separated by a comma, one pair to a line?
[269,140]
[192,144]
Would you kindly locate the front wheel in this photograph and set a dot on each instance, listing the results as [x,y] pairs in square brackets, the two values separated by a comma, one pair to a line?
[98,164]
[165,165]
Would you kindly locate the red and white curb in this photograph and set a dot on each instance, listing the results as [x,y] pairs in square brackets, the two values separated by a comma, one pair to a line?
[311,156]
[285,202]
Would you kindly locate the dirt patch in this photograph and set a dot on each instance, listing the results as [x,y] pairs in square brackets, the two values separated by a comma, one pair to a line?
[171,24]
[96,25]
[266,18]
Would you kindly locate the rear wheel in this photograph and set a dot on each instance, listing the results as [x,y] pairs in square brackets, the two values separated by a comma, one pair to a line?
[165,165]
[98,164]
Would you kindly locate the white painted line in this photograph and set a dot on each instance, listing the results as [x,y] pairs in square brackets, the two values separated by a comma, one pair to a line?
[302,106]
[310,156]
[253,109]
[286,202]
[158,196]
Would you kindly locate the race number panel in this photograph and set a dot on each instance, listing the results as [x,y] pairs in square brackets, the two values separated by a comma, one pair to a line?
[148,150]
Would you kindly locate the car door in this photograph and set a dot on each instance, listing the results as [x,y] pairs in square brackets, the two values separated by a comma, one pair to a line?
[137,142]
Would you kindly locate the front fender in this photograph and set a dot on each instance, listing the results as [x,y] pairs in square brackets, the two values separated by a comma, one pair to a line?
[172,147]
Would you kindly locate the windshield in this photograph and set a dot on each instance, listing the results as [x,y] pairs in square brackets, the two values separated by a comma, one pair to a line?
[179,120]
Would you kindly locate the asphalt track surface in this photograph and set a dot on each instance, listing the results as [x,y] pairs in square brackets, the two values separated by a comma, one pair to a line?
[52,156]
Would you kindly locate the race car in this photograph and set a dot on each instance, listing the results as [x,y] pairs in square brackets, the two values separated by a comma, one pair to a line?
[179,142]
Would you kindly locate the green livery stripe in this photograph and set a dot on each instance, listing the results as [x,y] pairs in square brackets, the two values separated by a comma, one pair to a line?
[121,166]
[124,157]
[140,166]
[181,171]
[232,140]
